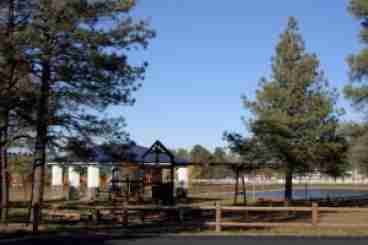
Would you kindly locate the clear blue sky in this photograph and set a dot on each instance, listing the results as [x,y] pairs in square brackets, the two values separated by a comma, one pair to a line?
[209,53]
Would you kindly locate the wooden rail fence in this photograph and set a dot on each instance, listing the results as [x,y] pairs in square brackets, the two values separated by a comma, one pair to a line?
[219,223]
[124,212]
[315,211]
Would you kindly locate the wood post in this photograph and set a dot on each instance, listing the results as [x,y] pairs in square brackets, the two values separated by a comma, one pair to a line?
[245,203]
[181,214]
[315,214]
[142,216]
[244,191]
[95,215]
[125,217]
[218,217]
[287,204]
[36,219]
[236,186]
[98,216]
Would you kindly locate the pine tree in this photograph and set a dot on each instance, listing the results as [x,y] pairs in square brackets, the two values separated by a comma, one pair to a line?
[295,111]
[79,55]
[357,90]
[15,86]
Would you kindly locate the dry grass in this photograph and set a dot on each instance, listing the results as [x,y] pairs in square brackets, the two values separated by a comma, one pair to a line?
[300,232]
[199,199]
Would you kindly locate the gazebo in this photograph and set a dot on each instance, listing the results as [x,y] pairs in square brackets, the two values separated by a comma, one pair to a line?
[148,165]
[157,165]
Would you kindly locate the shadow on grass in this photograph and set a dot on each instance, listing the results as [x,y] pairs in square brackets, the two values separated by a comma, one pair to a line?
[71,233]
[49,239]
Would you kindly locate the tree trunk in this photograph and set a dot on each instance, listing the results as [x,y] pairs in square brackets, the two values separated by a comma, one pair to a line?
[1,186]
[5,117]
[236,186]
[4,185]
[289,185]
[40,148]
[244,191]
[245,203]
[4,169]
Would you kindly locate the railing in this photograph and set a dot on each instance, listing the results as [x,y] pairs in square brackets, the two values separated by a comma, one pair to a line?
[124,212]
[315,211]
[219,223]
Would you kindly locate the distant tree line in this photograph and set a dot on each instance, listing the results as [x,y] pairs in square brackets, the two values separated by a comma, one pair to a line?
[201,155]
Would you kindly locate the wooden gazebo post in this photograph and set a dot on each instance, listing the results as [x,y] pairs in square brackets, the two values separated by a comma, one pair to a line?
[172,173]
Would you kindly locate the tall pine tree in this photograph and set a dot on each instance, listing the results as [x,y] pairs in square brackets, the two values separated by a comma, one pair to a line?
[79,55]
[357,90]
[295,111]
[15,89]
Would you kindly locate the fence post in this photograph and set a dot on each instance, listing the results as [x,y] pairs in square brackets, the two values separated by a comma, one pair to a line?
[36,217]
[181,214]
[125,217]
[314,214]
[246,215]
[287,204]
[97,216]
[142,216]
[218,217]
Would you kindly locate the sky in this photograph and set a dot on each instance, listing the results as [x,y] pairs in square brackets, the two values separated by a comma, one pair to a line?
[207,54]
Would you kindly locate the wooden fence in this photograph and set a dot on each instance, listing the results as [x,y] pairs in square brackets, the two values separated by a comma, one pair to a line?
[123,214]
[315,211]
[219,223]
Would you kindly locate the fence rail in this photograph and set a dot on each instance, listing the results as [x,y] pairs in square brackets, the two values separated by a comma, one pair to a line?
[124,212]
[315,215]
[220,223]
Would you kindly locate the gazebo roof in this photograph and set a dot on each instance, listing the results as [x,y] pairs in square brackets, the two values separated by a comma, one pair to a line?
[156,155]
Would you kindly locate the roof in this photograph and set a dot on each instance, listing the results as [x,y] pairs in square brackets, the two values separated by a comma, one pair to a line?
[113,154]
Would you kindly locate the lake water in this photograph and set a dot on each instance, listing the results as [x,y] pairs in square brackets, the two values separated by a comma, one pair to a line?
[309,194]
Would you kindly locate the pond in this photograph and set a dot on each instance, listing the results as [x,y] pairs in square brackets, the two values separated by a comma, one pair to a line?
[299,194]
